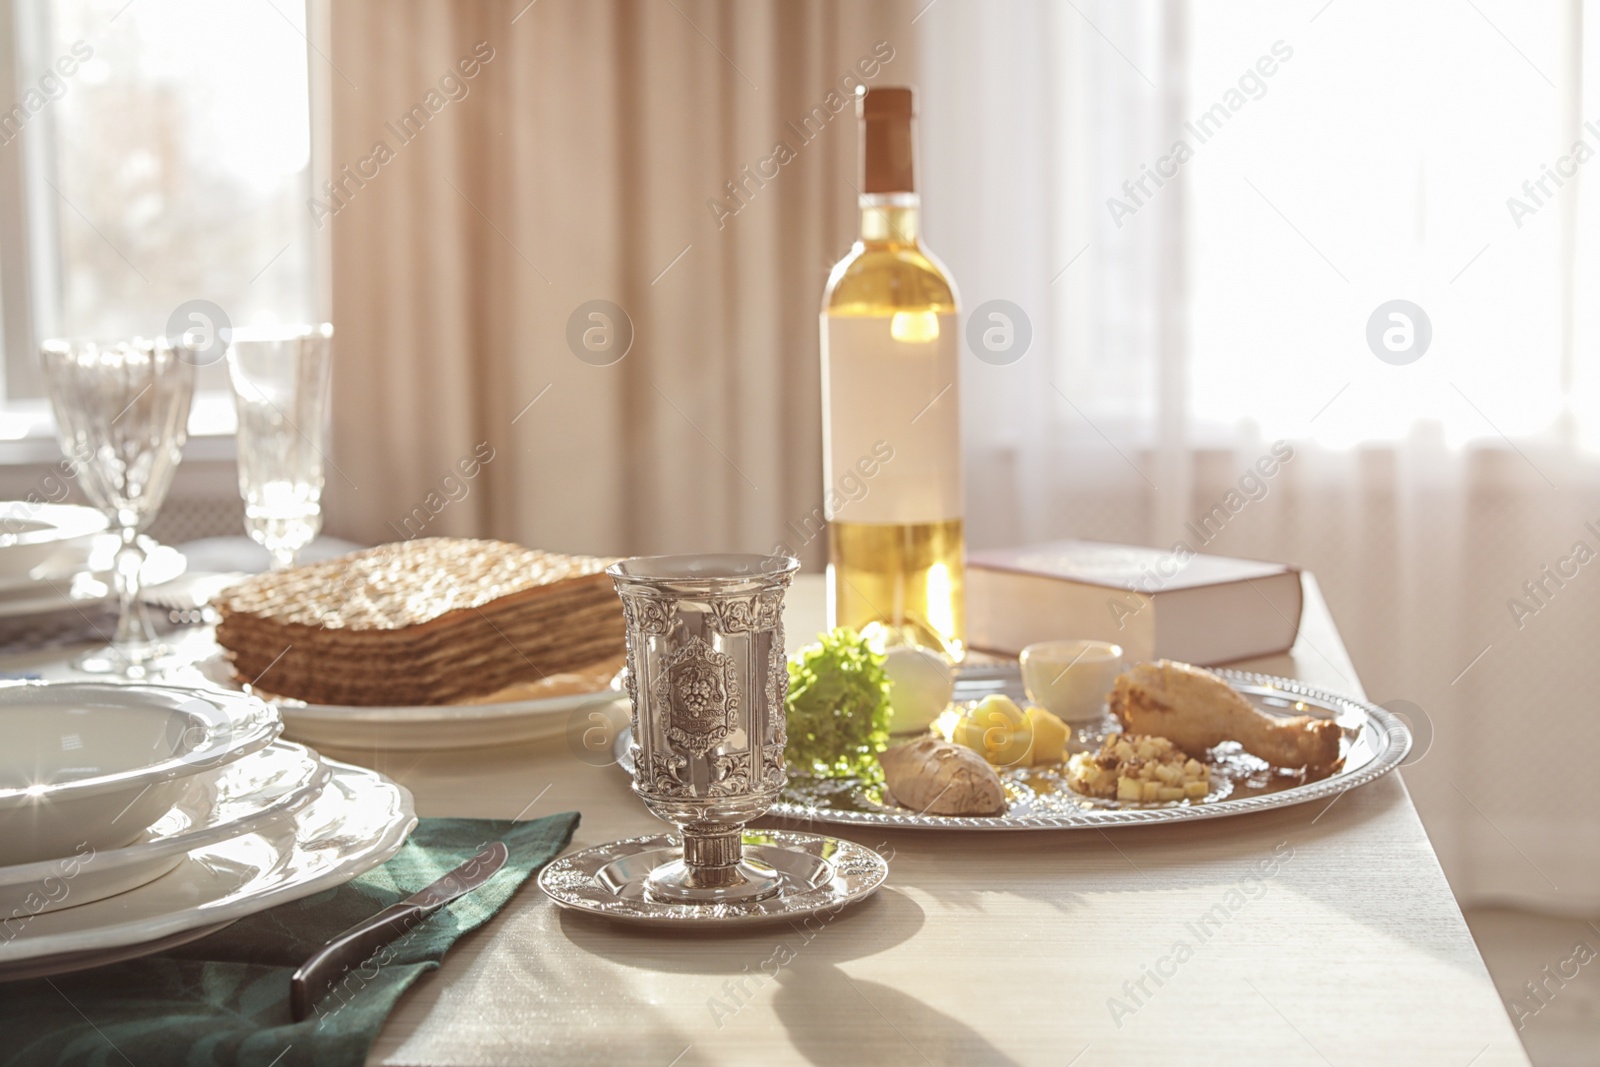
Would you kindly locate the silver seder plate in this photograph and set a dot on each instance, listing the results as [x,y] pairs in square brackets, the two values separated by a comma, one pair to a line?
[818,874]
[1375,743]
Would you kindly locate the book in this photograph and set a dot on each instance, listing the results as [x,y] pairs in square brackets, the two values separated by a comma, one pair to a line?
[1156,604]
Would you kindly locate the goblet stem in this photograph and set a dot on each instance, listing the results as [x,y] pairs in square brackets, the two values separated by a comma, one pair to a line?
[711,855]
[135,636]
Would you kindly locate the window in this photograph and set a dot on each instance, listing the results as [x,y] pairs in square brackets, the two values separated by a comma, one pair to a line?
[151,154]
[1323,197]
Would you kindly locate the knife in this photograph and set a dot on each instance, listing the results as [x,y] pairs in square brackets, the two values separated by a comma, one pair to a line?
[330,963]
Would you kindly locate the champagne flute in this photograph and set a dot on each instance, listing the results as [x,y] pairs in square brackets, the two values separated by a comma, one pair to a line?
[122,413]
[280,382]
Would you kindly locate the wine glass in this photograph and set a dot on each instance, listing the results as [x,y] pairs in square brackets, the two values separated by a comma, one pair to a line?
[280,382]
[122,413]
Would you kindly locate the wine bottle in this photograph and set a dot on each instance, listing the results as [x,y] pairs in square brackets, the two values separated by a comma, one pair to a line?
[890,406]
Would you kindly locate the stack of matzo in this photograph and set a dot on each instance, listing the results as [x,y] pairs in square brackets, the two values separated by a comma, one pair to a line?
[433,621]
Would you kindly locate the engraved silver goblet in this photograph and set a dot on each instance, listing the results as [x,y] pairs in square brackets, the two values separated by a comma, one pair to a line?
[707,679]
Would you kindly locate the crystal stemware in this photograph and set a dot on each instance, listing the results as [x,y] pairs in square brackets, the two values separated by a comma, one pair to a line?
[280,380]
[122,413]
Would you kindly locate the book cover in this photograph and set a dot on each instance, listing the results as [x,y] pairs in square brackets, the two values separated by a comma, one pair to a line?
[1174,604]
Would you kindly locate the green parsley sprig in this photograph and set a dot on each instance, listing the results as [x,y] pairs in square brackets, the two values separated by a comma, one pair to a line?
[838,707]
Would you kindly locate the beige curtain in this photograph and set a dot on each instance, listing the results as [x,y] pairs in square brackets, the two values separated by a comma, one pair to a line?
[576,164]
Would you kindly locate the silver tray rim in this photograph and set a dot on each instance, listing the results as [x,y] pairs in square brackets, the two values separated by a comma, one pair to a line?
[1395,745]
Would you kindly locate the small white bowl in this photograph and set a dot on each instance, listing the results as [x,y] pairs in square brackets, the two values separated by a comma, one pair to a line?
[1071,679]
[30,534]
[89,764]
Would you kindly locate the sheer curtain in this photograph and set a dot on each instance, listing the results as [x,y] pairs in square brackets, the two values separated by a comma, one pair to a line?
[598,151]
[1339,157]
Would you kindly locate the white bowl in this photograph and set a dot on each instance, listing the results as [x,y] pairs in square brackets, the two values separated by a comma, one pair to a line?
[241,798]
[1071,679]
[360,820]
[92,765]
[30,534]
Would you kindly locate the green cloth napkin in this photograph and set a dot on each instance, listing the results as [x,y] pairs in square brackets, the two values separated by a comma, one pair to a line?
[224,999]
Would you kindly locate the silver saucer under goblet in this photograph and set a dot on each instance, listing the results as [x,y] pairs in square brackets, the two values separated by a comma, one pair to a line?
[707,677]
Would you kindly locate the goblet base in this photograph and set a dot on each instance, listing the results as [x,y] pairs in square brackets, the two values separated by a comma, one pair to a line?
[140,662]
[816,876]
[745,882]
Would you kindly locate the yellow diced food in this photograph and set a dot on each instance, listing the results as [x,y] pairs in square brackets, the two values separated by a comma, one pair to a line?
[1139,769]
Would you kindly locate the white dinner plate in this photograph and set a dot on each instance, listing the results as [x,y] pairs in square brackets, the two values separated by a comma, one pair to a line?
[427,726]
[358,822]
[80,961]
[80,576]
[239,799]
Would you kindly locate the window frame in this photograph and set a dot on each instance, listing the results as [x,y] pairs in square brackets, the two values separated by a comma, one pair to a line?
[30,268]
[21,301]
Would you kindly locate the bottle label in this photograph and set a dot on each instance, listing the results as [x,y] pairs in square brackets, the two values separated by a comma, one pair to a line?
[891,419]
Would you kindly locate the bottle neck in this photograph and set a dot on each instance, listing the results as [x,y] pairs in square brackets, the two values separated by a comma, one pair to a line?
[889,218]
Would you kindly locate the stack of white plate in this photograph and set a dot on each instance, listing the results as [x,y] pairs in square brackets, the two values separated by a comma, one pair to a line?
[59,556]
[137,817]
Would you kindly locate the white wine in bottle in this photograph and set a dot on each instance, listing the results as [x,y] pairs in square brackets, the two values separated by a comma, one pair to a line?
[891,434]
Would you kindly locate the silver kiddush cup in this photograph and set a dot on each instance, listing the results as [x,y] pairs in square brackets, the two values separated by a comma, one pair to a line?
[707,677]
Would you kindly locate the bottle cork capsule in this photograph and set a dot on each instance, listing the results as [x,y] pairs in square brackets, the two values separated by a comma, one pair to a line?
[886,163]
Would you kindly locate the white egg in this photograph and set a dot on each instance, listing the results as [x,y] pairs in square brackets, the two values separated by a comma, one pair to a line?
[922,683]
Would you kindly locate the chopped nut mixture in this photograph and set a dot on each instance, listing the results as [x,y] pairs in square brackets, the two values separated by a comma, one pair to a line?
[1139,768]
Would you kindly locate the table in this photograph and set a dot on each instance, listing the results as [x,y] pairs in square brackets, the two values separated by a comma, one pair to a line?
[1057,947]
